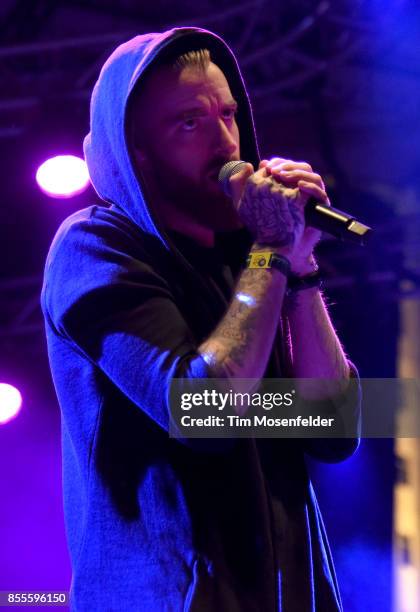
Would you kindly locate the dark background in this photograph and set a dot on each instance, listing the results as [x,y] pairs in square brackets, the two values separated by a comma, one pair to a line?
[334,83]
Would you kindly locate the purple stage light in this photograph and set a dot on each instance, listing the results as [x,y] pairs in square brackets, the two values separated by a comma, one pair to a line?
[10,402]
[63,176]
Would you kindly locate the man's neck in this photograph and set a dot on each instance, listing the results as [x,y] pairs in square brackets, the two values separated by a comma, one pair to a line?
[202,235]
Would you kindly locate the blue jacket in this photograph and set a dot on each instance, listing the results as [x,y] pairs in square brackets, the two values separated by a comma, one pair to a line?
[157,523]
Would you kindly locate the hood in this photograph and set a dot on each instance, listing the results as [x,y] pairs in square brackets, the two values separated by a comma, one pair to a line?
[106,146]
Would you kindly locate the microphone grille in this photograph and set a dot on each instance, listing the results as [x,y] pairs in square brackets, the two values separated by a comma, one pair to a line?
[228,170]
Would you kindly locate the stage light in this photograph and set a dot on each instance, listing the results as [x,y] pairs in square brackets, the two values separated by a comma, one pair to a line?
[63,176]
[10,402]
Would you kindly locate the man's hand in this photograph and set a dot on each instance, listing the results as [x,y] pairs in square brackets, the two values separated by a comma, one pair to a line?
[271,204]
[300,175]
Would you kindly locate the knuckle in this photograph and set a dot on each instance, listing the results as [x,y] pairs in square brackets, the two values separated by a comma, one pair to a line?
[260,173]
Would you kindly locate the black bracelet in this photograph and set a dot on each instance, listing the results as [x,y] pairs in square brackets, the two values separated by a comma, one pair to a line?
[297,283]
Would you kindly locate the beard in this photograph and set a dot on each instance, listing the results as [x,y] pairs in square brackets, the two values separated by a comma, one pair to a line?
[200,199]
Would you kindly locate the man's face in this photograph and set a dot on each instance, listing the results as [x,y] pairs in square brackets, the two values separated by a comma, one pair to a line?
[184,129]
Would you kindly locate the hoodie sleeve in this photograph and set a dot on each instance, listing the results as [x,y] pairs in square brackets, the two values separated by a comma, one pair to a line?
[120,314]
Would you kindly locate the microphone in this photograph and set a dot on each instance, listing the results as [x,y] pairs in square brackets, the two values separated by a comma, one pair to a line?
[324,218]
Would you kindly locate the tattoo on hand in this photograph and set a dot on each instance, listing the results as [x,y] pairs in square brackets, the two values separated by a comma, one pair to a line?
[271,212]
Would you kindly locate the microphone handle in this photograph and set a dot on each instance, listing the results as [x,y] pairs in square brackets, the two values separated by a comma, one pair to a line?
[335,222]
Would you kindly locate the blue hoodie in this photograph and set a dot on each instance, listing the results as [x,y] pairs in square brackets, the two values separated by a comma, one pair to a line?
[152,522]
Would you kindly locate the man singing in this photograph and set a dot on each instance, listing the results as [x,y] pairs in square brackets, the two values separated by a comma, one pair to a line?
[149,286]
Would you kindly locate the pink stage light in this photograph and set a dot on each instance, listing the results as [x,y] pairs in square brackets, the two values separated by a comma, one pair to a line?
[63,176]
[10,402]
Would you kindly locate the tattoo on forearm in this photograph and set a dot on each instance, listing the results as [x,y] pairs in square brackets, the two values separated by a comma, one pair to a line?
[232,345]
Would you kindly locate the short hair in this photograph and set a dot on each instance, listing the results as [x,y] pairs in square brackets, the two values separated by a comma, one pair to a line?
[199,58]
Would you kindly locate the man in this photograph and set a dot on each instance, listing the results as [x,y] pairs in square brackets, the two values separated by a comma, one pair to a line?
[150,288]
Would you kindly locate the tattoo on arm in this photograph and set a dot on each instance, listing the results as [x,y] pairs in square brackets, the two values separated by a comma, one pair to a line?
[237,345]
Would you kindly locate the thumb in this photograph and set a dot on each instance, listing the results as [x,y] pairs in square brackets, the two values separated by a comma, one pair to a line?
[237,183]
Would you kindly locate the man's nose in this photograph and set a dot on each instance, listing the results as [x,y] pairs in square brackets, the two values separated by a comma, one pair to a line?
[225,143]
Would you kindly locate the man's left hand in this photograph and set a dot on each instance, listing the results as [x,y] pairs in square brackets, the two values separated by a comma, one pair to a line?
[301,175]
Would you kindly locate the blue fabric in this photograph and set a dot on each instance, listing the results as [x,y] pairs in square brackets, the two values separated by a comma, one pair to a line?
[157,523]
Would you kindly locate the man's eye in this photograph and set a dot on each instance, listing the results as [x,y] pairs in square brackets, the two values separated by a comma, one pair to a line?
[189,124]
[229,113]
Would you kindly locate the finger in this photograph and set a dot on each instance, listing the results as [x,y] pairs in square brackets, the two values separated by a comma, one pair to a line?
[263,167]
[289,164]
[314,190]
[261,174]
[297,175]
[277,160]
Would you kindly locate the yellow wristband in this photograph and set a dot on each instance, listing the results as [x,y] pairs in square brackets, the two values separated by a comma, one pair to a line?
[268,259]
